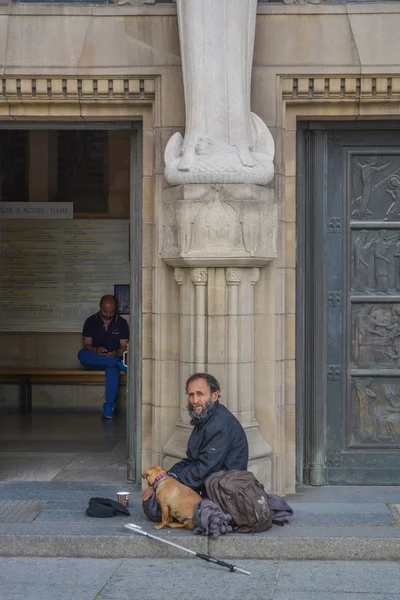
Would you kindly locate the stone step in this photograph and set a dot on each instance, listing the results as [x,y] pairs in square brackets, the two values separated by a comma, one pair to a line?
[259,546]
[328,524]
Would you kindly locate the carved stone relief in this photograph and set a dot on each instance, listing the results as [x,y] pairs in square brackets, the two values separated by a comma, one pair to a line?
[255,275]
[233,276]
[375,261]
[376,412]
[199,276]
[218,225]
[376,335]
[179,275]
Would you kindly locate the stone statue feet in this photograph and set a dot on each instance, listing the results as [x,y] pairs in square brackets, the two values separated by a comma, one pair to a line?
[188,159]
[245,156]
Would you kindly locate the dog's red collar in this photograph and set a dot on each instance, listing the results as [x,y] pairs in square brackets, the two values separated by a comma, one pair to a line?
[160,476]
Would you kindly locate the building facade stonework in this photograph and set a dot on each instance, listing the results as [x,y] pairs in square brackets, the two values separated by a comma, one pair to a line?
[219,221]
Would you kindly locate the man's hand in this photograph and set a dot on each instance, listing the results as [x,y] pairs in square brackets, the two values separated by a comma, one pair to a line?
[112,354]
[148,493]
[101,350]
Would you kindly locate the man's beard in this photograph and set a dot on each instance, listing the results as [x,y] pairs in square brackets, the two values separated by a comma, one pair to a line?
[198,417]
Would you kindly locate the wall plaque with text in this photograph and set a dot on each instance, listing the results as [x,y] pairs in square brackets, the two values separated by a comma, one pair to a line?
[54,272]
[36,210]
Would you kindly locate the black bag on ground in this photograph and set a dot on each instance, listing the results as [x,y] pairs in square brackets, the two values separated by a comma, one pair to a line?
[241,495]
[104,508]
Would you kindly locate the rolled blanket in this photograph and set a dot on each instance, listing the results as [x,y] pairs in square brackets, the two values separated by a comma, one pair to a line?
[211,520]
[281,511]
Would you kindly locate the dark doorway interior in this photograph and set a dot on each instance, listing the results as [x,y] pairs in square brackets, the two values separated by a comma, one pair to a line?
[53,272]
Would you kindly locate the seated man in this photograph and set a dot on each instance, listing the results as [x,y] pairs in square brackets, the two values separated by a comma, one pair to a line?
[105,339]
[217,442]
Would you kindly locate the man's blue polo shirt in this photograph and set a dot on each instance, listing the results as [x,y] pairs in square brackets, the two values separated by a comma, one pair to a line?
[118,329]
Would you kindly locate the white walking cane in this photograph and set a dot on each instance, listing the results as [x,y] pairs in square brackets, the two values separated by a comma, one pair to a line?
[221,563]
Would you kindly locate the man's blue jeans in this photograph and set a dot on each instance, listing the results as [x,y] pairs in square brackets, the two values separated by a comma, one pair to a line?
[96,362]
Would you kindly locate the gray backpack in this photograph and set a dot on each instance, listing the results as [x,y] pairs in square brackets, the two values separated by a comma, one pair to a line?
[241,495]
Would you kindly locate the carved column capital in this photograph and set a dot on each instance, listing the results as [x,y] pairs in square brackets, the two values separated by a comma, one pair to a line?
[233,276]
[199,276]
[255,275]
[179,275]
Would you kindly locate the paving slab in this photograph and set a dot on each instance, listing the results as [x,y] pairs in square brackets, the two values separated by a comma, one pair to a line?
[310,576]
[178,579]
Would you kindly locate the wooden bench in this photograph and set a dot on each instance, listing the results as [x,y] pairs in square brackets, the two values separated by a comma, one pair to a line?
[25,377]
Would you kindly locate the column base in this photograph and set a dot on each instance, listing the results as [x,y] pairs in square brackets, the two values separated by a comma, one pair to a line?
[259,456]
[175,449]
[259,451]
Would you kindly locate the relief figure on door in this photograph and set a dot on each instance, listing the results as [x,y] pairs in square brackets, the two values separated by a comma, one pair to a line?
[376,335]
[366,184]
[361,255]
[371,343]
[393,189]
[375,259]
[382,262]
[376,412]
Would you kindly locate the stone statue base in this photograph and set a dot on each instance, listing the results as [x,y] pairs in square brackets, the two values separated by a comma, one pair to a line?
[212,161]
[259,451]
[218,225]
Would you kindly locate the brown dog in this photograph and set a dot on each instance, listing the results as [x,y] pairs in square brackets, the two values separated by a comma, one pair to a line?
[176,500]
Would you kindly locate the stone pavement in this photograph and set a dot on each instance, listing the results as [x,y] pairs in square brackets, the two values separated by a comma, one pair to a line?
[330,523]
[168,579]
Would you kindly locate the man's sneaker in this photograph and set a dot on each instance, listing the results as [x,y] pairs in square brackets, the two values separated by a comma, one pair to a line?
[108,412]
[121,366]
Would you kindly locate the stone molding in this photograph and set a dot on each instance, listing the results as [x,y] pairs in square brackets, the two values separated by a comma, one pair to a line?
[206,225]
[64,89]
[347,88]
[77,89]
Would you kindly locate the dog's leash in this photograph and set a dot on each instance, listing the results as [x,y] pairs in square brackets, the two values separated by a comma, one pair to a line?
[221,563]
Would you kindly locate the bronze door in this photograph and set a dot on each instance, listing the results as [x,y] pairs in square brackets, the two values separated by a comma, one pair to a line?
[351,205]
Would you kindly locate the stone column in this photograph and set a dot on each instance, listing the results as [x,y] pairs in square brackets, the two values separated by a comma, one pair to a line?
[179,276]
[199,278]
[233,279]
[219,213]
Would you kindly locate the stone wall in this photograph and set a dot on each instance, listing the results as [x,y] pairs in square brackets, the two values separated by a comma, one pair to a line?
[310,62]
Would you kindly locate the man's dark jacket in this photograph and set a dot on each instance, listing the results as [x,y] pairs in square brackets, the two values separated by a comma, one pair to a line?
[219,442]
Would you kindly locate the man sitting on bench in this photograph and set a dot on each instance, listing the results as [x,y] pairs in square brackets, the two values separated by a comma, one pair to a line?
[105,339]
